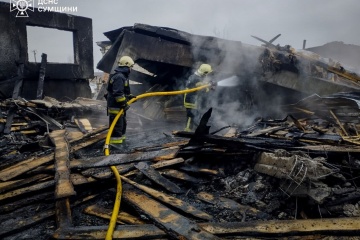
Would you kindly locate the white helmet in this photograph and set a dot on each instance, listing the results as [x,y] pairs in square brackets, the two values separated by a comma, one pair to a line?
[126,61]
[204,69]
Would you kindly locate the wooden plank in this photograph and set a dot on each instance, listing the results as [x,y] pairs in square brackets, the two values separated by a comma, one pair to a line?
[15,95]
[147,231]
[63,185]
[330,226]
[330,148]
[21,191]
[264,131]
[165,163]
[84,125]
[103,173]
[42,186]
[33,162]
[40,87]
[123,217]
[19,223]
[168,199]
[10,185]
[117,159]
[297,229]
[195,169]
[171,222]
[162,146]
[156,177]
[63,213]
[13,205]
[172,173]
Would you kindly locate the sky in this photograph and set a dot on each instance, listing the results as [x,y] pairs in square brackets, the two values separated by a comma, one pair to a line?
[316,21]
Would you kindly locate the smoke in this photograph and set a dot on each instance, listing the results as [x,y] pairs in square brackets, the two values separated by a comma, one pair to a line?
[242,96]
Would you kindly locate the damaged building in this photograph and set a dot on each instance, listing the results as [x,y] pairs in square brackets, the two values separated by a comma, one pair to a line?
[61,79]
[288,177]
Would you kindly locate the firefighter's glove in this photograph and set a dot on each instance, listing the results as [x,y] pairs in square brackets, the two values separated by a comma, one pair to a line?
[130,96]
[105,96]
[124,105]
[213,85]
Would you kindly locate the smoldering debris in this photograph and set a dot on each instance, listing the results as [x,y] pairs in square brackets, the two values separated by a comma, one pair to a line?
[296,172]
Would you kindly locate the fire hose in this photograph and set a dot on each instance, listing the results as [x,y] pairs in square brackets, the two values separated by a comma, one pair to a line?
[116,207]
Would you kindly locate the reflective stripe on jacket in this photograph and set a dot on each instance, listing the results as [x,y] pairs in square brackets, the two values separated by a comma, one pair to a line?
[118,87]
[190,99]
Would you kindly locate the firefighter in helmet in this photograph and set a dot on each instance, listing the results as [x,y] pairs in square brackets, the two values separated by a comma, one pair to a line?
[118,93]
[191,99]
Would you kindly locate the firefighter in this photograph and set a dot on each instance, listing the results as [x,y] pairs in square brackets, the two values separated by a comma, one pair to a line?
[191,99]
[118,93]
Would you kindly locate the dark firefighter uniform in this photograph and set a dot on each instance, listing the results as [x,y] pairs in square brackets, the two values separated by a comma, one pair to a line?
[118,95]
[191,101]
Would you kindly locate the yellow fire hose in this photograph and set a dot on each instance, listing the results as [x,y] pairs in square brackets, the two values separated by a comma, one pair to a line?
[116,208]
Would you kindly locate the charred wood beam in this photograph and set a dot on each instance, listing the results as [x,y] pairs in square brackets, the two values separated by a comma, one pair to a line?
[295,228]
[40,88]
[145,231]
[32,163]
[123,217]
[63,186]
[15,225]
[15,95]
[117,159]
[10,185]
[4,208]
[170,200]
[243,142]
[45,184]
[171,222]
[63,213]
[175,174]
[156,177]
[27,190]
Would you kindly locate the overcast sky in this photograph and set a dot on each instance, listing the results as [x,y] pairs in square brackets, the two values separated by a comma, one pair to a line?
[317,21]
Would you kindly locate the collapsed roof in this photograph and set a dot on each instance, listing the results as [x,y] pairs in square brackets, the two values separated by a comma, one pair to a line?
[281,67]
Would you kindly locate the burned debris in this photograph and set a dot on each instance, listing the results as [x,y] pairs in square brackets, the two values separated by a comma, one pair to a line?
[294,176]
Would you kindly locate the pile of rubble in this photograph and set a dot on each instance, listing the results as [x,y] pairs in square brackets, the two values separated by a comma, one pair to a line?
[276,179]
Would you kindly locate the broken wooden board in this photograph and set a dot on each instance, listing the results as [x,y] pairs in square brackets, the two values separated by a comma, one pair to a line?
[159,147]
[46,183]
[167,199]
[330,226]
[175,174]
[156,177]
[264,131]
[21,191]
[10,185]
[15,225]
[123,217]
[105,172]
[13,205]
[63,185]
[84,125]
[330,148]
[171,222]
[298,229]
[33,162]
[63,213]
[195,169]
[117,159]
[127,232]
